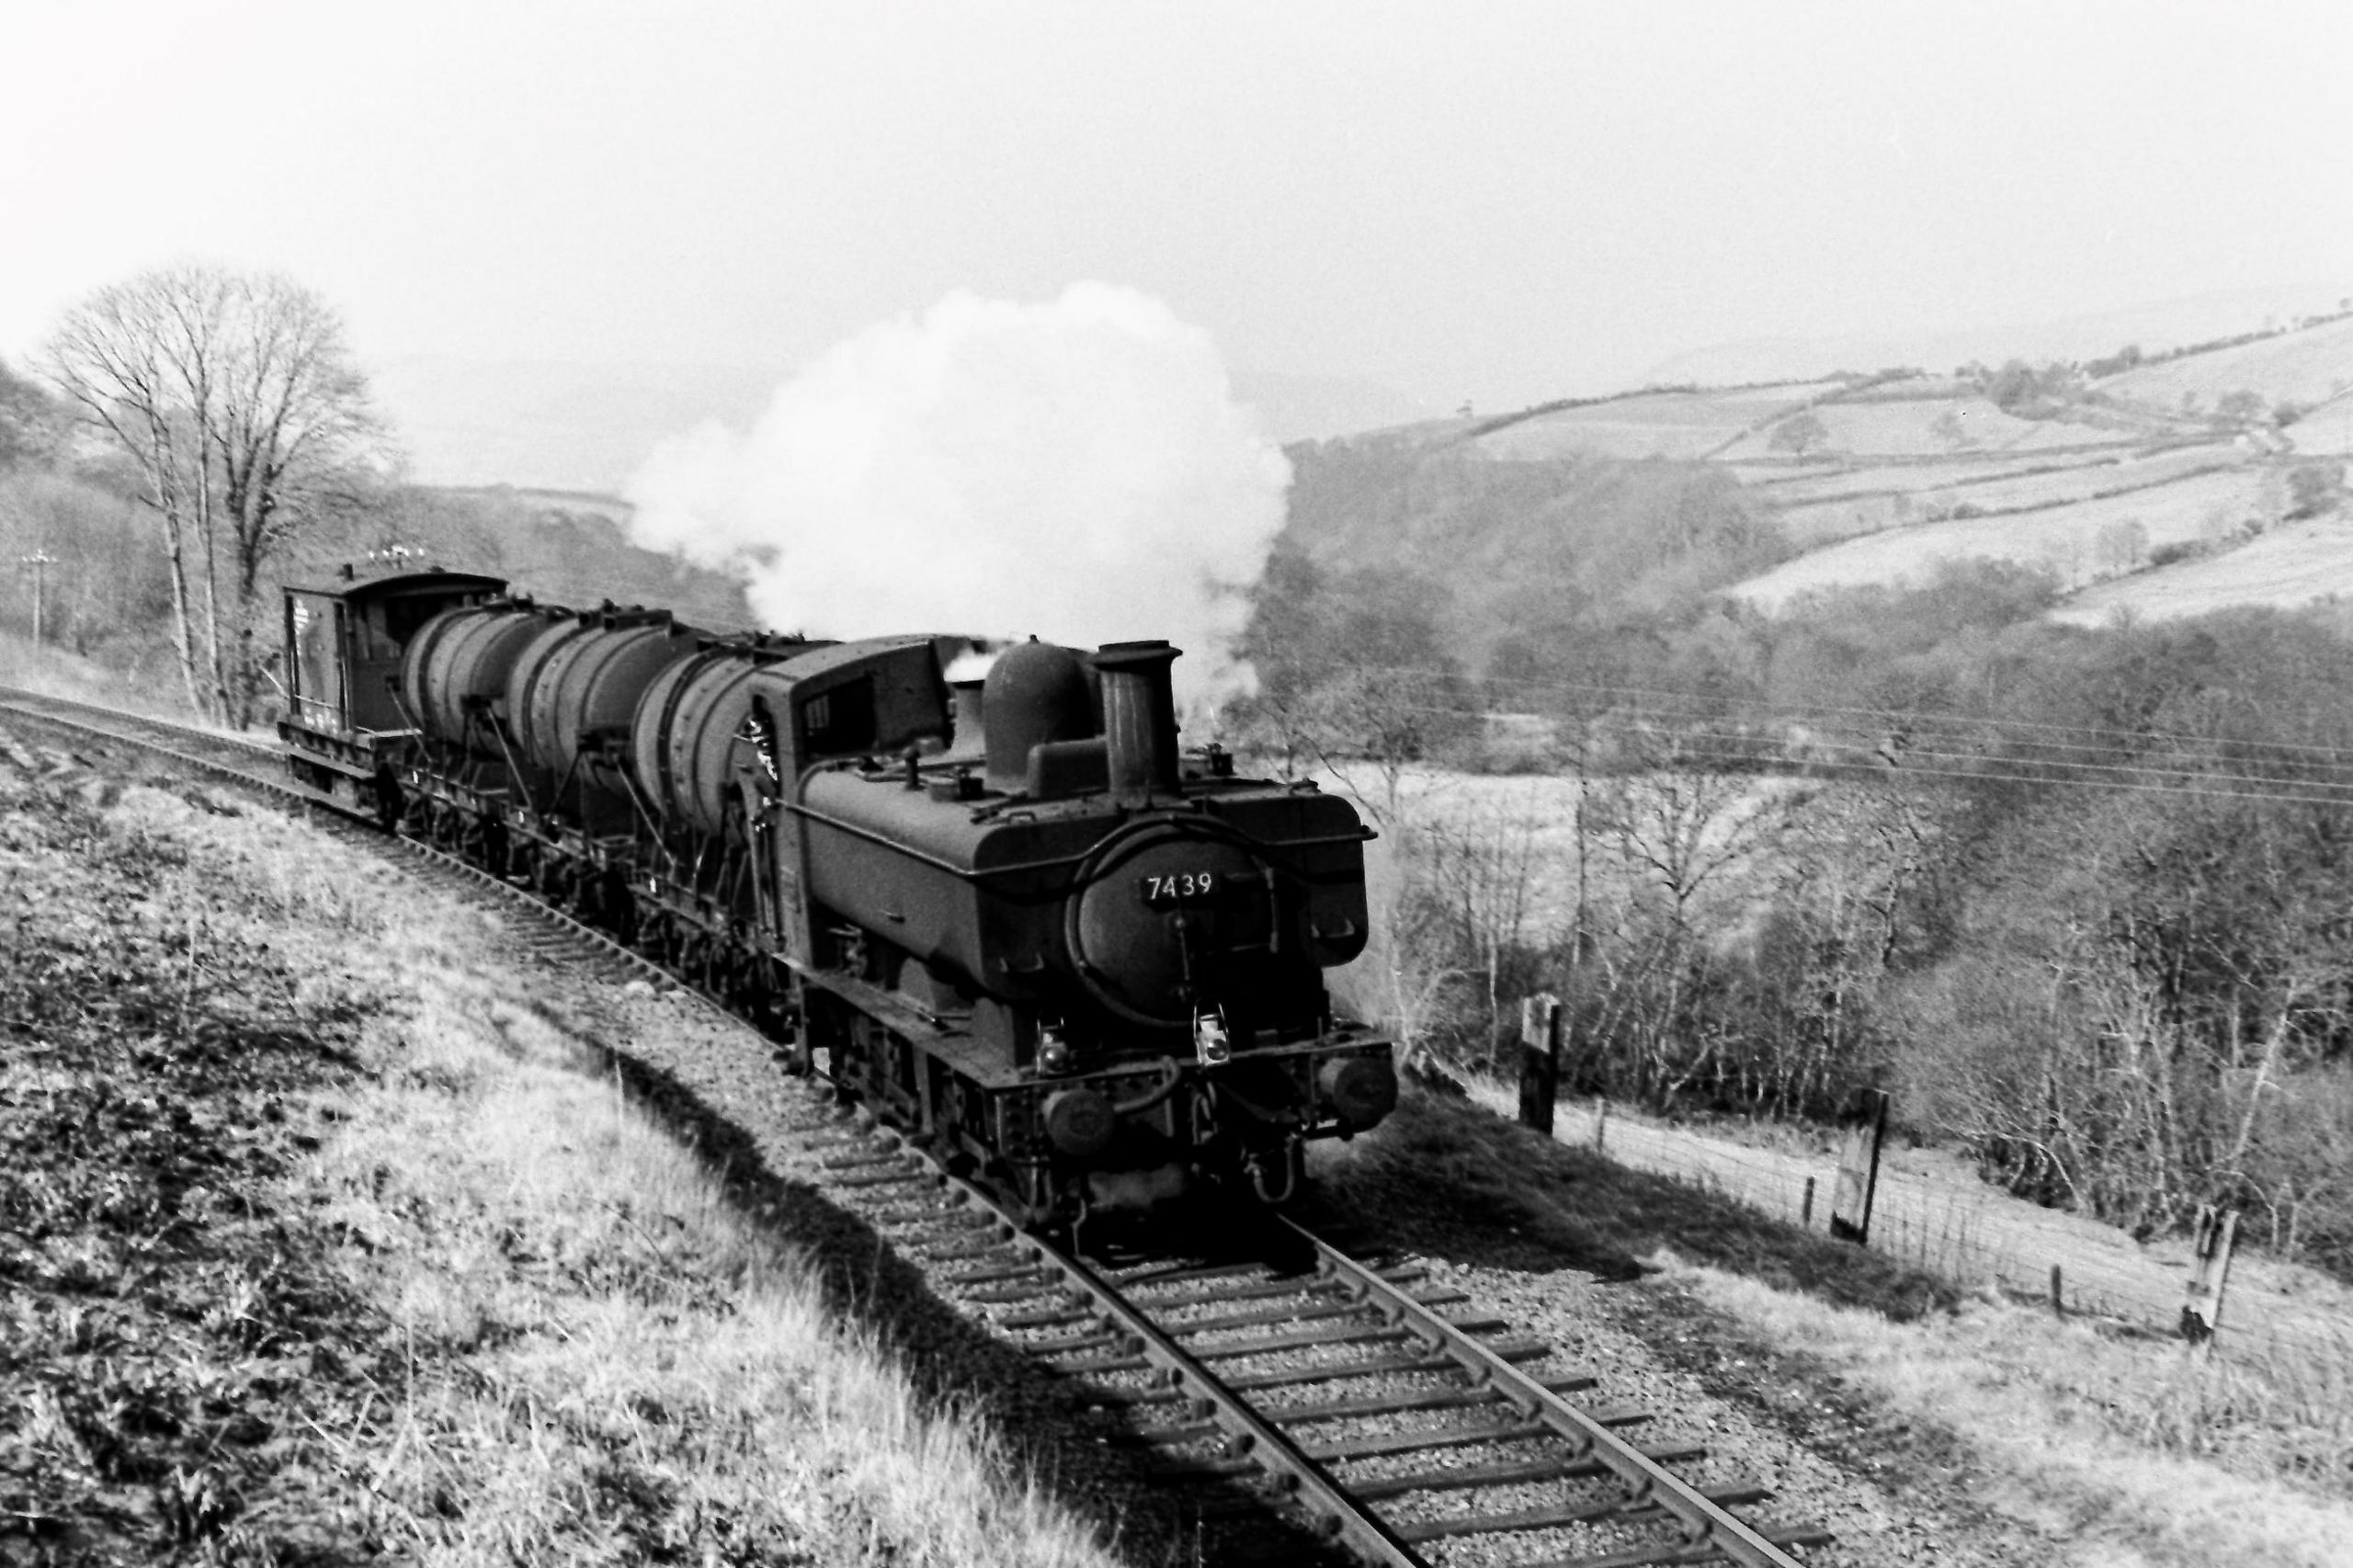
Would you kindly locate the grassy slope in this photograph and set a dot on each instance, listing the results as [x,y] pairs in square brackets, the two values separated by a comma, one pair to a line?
[2304,367]
[314,1250]
[2135,1454]
[2066,539]
[2292,565]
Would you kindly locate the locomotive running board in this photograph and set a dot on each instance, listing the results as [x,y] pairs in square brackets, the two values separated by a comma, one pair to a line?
[956,1046]
[977,1061]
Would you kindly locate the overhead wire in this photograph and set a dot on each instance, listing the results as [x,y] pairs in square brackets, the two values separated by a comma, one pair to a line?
[1990,750]
[1691,699]
[1736,749]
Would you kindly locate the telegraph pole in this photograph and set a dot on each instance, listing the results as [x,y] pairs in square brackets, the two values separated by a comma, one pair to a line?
[39,561]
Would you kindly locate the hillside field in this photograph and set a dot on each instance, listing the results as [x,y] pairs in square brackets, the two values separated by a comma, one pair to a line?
[2138,481]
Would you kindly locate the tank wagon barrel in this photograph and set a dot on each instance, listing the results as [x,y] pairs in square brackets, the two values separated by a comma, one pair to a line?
[987,887]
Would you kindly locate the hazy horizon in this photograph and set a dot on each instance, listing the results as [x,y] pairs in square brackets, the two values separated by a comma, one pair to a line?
[1500,203]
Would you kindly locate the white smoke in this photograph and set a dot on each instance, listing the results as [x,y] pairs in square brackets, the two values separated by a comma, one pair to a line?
[1077,471]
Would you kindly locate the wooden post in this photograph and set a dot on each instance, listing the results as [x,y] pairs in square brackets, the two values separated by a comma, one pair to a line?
[39,561]
[1540,1060]
[2058,1293]
[1858,1184]
[1805,1210]
[2209,1269]
[1601,1125]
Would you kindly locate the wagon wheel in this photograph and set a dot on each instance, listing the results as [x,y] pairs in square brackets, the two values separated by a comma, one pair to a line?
[389,803]
[615,904]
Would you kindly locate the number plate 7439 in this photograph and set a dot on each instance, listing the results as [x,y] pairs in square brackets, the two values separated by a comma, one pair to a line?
[1162,890]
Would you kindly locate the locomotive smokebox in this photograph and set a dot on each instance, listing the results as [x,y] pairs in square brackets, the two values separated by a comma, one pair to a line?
[1139,719]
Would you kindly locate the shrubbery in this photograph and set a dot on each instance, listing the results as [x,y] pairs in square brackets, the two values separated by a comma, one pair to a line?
[2073,894]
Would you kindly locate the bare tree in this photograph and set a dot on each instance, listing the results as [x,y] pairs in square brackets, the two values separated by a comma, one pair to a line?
[236,397]
[1676,828]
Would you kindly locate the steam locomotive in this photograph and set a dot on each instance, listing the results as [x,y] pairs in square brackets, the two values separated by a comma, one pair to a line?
[983,883]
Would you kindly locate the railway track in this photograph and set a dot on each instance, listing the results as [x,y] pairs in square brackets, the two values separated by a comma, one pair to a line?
[1266,1368]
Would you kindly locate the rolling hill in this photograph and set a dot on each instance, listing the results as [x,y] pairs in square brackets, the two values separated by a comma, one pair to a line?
[2148,483]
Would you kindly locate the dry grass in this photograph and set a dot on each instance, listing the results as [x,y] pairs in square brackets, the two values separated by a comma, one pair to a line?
[2134,1451]
[1447,1178]
[2290,566]
[314,1250]
[2306,366]
[613,1363]
[2137,1453]
[58,672]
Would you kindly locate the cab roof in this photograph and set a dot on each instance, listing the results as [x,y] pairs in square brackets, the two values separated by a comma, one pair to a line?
[359,584]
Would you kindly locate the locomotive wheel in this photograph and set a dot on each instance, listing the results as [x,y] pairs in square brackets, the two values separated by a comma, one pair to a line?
[588,897]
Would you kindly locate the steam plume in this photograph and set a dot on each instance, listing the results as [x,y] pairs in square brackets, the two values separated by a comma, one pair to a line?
[1076,470]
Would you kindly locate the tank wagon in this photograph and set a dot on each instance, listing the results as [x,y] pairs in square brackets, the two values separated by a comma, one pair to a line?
[984,890]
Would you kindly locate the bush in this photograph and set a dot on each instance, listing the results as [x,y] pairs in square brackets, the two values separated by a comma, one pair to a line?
[2315,488]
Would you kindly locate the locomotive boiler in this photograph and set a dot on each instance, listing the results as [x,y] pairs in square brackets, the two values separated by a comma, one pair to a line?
[1018,922]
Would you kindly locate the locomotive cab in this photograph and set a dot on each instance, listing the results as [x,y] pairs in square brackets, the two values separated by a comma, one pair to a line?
[344,642]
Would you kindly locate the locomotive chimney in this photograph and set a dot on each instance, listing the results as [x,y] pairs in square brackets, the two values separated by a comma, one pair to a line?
[966,676]
[1139,719]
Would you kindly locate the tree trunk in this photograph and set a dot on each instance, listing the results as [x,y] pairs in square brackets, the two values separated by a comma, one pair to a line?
[183,640]
[208,533]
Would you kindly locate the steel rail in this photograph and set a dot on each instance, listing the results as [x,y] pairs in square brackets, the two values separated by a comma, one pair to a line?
[1707,1523]
[1336,1512]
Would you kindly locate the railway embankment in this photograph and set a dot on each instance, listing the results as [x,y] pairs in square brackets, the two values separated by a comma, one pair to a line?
[1989,1429]
[318,1243]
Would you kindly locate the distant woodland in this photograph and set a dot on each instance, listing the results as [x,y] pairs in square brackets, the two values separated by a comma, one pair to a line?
[2080,897]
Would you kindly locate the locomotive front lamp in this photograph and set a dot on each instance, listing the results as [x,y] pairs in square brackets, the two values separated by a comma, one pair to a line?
[1210,1045]
[1054,1054]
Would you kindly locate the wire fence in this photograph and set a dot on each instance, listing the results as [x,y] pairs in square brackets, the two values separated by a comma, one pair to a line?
[1973,1236]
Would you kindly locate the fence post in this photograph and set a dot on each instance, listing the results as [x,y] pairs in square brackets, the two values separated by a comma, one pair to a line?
[1601,1126]
[1805,1210]
[1858,1184]
[2209,1269]
[1540,1060]
[2058,1293]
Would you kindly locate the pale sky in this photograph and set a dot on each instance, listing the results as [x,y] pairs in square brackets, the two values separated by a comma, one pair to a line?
[1503,200]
